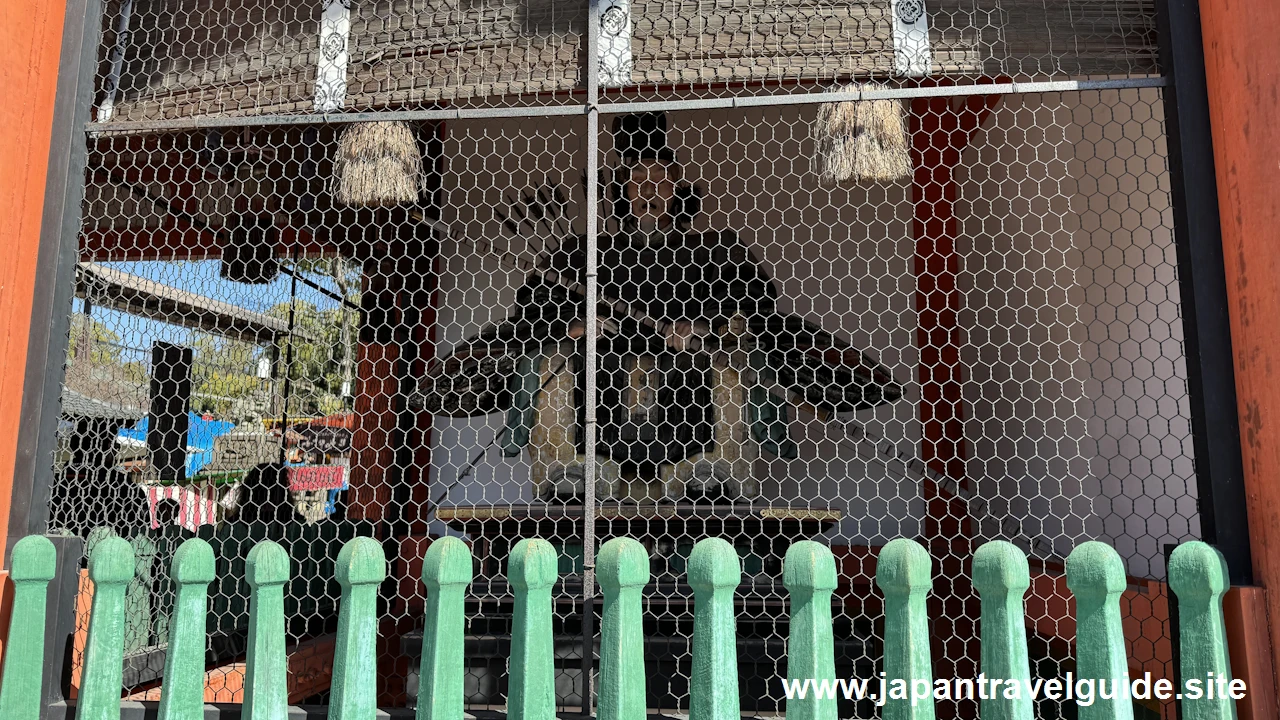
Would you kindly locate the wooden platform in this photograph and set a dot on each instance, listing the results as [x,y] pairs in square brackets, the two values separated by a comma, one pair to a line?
[761,531]
[695,519]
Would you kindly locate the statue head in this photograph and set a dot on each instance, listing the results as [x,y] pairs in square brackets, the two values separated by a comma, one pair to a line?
[649,187]
[648,190]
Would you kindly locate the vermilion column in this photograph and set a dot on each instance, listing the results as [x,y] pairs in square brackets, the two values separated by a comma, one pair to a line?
[377,384]
[30,43]
[1242,65]
[940,130]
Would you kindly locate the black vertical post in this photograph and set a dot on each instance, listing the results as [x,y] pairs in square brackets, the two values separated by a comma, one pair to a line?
[60,621]
[1172,633]
[1205,316]
[167,424]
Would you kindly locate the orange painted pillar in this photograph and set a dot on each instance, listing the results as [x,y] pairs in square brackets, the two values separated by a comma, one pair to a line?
[30,45]
[1242,67]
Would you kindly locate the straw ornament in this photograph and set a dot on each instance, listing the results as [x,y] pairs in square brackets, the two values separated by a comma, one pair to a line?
[861,141]
[378,164]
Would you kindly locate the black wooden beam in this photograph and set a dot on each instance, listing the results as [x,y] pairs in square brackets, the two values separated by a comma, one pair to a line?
[1205,316]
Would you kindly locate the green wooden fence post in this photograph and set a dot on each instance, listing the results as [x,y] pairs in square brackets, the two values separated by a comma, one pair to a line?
[1095,576]
[266,690]
[353,695]
[623,571]
[110,569]
[904,573]
[137,596]
[182,693]
[809,575]
[446,572]
[1198,575]
[96,536]
[714,573]
[531,569]
[31,569]
[1001,575]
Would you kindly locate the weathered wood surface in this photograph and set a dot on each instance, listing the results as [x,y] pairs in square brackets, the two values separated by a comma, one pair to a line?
[1001,575]
[182,694]
[904,573]
[623,568]
[1095,575]
[32,566]
[715,571]
[111,567]
[446,572]
[1198,575]
[217,58]
[266,694]
[531,570]
[361,567]
[809,575]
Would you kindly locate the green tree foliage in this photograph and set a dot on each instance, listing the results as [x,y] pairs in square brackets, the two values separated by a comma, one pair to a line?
[225,380]
[320,348]
[105,351]
[226,371]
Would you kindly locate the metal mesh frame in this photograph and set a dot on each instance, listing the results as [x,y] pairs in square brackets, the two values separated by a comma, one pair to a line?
[1019,284]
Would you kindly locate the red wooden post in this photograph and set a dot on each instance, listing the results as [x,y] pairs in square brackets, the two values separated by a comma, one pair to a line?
[940,131]
[1242,68]
[372,452]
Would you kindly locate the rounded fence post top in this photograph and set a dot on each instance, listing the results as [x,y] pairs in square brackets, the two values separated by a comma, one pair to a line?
[34,558]
[808,565]
[142,545]
[1197,570]
[622,562]
[532,564]
[714,564]
[96,536]
[1095,567]
[361,561]
[1000,567]
[112,561]
[903,566]
[267,564]
[447,562]
[193,562]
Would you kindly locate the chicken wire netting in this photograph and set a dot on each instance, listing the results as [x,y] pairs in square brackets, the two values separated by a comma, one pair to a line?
[949,314]
[169,60]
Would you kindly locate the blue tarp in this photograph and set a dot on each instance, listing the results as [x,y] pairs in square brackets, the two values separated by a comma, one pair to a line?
[200,435]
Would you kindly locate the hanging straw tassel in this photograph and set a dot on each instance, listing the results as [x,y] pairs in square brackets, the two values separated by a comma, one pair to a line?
[378,163]
[860,141]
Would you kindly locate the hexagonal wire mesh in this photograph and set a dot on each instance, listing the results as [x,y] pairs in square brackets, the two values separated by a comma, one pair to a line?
[951,315]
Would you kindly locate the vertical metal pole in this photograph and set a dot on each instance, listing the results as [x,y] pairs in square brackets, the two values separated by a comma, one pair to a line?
[112,87]
[1206,319]
[84,353]
[288,364]
[589,371]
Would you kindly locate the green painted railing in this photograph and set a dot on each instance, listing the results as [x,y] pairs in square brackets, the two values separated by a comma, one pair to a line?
[1095,576]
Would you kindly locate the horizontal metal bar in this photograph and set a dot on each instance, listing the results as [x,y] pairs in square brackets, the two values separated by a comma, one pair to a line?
[200,123]
[302,278]
[629,106]
[881,94]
